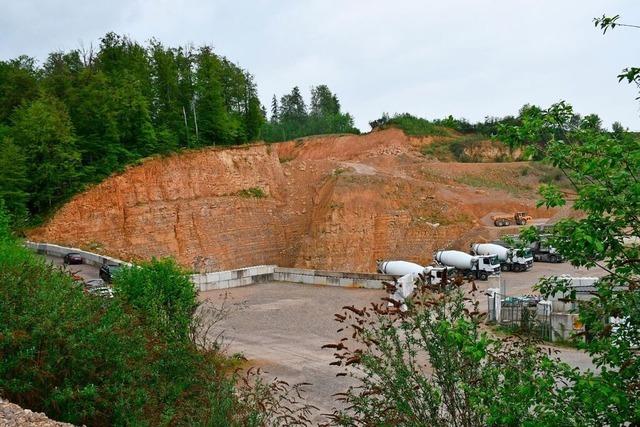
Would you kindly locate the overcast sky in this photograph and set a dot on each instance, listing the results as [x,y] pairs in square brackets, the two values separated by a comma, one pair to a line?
[468,58]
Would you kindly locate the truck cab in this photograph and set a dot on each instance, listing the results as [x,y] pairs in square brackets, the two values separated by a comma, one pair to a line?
[545,253]
[436,275]
[485,266]
[521,259]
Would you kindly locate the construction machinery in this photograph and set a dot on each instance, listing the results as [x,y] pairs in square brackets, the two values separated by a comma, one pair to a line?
[478,267]
[519,218]
[510,259]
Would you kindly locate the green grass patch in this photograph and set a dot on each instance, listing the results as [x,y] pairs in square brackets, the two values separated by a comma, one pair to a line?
[415,126]
[253,192]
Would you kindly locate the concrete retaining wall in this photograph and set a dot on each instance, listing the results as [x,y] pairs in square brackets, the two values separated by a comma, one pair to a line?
[331,278]
[241,276]
[233,278]
[273,273]
[60,251]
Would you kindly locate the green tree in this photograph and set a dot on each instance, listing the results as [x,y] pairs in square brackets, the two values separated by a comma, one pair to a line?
[18,84]
[275,115]
[163,292]
[13,179]
[45,133]
[213,122]
[323,102]
[603,169]
[293,113]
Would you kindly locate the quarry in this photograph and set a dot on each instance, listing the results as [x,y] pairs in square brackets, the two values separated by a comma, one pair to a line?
[330,202]
[288,234]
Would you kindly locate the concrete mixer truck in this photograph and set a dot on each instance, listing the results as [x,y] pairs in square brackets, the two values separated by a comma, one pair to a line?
[478,267]
[432,274]
[540,250]
[510,259]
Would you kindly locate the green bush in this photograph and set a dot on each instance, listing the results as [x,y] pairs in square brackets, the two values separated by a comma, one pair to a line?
[255,192]
[411,125]
[434,365]
[123,361]
[163,293]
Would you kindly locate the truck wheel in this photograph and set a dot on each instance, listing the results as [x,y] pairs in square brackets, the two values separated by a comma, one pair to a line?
[553,259]
[484,275]
[504,267]
[497,223]
[506,223]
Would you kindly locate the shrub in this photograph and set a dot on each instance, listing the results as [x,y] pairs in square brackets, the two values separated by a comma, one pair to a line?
[255,192]
[411,125]
[433,365]
[123,361]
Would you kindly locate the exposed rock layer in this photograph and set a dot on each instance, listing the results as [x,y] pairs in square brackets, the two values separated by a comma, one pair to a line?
[334,202]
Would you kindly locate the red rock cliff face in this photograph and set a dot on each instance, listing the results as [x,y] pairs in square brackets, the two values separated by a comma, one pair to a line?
[337,202]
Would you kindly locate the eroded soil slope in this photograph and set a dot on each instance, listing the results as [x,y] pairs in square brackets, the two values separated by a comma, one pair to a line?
[335,202]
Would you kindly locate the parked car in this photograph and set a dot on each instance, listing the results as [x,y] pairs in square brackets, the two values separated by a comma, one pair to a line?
[107,271]
[104,291]
[73,258]
[94,283]
[98,287]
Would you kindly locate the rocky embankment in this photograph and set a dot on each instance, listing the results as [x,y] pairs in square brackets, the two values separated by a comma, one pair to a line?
[12,415]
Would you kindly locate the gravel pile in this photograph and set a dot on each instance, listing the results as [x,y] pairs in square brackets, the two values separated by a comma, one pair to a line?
[12,415]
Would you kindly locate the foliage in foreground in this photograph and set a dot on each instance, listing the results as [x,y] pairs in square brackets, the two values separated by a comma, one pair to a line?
[604,170]
[130,360]
[433,365]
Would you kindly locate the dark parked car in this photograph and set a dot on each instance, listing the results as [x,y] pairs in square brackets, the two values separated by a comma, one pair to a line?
[73,258]
[107,271]
[94,283]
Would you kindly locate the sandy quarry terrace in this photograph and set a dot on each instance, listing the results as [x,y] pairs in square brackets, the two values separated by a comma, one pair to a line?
[281,327]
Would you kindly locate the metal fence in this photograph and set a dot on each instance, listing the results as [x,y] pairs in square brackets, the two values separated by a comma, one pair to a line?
[527,314]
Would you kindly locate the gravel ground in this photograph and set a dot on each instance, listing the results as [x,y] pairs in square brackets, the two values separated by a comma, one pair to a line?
[280,327]
[12,415]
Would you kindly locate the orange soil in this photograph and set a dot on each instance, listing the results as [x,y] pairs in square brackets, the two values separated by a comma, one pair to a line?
[332,202]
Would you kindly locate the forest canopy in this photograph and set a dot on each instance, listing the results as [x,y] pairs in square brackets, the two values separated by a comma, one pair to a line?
[84,114]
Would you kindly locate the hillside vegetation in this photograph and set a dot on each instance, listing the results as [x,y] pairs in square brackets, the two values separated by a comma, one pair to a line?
[84,114]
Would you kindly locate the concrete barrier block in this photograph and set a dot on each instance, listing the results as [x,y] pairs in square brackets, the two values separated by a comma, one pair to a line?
[374,284]
[333,281]
[345,282]
[320,280]
[297,278]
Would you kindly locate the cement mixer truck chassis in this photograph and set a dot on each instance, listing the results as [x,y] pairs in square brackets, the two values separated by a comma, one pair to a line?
[477,267]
